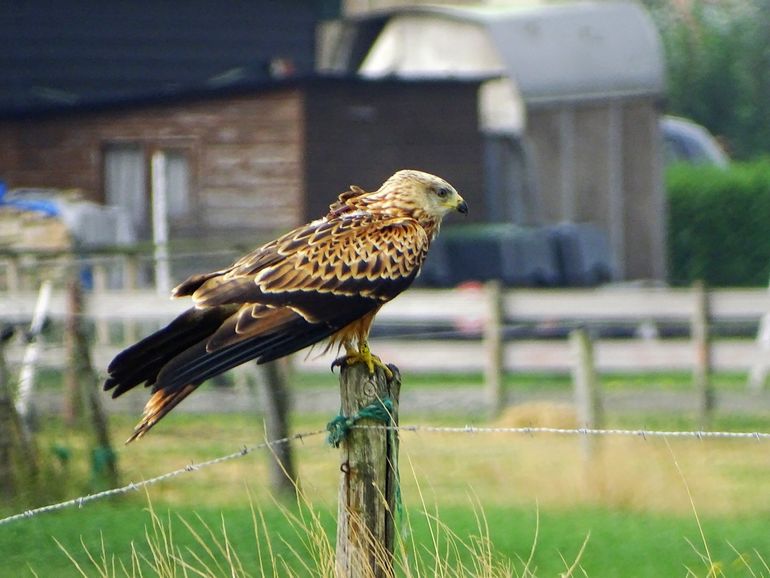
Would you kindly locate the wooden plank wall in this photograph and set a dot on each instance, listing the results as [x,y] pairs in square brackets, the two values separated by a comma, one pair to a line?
[246,153]
[360,133]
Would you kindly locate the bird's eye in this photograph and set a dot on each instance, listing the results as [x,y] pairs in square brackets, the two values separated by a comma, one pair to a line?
[442,193]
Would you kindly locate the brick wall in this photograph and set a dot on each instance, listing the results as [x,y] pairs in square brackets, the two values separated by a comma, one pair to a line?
[245,154]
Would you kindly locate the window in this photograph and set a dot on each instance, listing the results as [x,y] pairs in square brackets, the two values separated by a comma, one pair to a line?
[127,183]
[178,183]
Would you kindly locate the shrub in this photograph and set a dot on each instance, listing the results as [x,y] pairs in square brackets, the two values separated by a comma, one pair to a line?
[719,224]
[718,61]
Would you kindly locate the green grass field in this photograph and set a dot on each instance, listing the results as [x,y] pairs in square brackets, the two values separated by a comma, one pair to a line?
[619,542]
[633,509]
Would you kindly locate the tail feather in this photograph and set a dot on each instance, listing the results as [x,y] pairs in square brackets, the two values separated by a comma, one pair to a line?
[158,406]
[196,364]
[178,358]
[142,362]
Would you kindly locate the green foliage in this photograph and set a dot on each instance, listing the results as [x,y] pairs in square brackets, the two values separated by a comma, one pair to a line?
[718,224]
[718,61]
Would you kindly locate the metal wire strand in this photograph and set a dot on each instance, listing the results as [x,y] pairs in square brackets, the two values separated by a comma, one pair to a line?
[467,429]
[81,501]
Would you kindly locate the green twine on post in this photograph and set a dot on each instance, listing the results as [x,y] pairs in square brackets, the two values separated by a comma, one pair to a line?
[380,410]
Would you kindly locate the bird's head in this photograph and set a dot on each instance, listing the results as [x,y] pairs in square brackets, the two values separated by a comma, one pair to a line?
[423,195]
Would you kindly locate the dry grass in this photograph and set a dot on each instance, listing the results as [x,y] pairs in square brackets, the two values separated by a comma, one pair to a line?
[312,551]
[687,477]
[725,476]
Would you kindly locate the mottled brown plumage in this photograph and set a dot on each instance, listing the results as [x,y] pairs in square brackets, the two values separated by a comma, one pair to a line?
[324,280]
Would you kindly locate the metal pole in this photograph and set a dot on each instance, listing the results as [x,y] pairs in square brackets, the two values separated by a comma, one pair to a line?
[160,222]
[31,355]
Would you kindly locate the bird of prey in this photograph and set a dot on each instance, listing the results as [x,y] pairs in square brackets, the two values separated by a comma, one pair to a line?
[323,280]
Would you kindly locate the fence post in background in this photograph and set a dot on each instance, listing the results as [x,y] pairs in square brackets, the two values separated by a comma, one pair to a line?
[758,371]
[86,382]
[7,423]
[703,363]
[29,363]
[73,400]
[588,402]
[493,348]
[283,477]
[369,481]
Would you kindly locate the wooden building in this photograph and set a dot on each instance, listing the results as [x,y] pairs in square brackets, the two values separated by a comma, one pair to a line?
[570,112]
[246,161]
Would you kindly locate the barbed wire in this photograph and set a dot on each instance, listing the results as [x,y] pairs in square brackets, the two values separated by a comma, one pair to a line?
[134,486]
[467,429]
[642,433]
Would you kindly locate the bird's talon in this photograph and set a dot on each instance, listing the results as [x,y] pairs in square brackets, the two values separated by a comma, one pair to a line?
[339,362]
[363,355]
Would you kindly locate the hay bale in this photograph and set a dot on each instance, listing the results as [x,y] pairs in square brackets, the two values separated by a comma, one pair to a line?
[538,414]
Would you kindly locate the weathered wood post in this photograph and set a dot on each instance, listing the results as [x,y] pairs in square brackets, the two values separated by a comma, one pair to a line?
[588,402]
[493,348]
[368,491]
[702,343]
[13,443]
[7,423]
[283,477]
[85,389]
[29,363]
[72,408]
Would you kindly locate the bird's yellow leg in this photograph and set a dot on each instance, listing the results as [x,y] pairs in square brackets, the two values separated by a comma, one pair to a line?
[364,355]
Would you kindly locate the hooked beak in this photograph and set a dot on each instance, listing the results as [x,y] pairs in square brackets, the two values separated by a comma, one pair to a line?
[462,207]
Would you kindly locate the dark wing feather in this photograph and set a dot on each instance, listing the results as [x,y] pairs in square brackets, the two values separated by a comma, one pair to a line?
[289,294]
[141,362]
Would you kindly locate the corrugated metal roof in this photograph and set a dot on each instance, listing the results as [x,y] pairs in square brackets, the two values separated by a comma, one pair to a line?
[551,51]
[59,53]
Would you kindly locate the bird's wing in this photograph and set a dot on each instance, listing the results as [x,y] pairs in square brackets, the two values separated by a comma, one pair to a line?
[291,293]
[355,256]
[319,280]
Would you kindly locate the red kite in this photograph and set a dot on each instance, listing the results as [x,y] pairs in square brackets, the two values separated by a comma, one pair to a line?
[324,280]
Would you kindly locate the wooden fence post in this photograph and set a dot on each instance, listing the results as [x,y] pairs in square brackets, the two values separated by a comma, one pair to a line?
[758,371]
[588,400]
[7,424]
[702,343]
[72,408]
[369,481]
[12,434]
[493,349]
[283,477]
[86,382]
[31,358]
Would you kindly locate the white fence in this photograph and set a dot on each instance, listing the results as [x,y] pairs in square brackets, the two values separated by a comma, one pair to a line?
[449,323]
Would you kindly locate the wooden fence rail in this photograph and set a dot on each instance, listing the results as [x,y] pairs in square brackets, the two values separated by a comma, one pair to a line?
[450,325]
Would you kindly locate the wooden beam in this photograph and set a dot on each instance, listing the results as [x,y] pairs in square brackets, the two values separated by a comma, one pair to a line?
[493,349]
[703,365]
[369,478]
